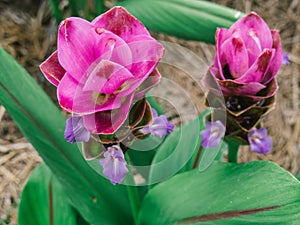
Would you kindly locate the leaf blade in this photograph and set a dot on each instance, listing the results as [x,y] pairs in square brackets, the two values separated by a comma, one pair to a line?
[189,19]
[43,201]
[225,188]
[29,106]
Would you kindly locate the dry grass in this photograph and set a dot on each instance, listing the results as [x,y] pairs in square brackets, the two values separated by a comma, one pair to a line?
[29,38]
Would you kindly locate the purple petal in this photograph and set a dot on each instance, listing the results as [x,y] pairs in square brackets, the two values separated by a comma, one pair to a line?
[72,98]
[159,126]
[259,141]
[114,165]
[107,122]
[75,130]
[52,70]
[120,22]
[75,46]
[285,58]
[154,113]
[259,68]
[212,135]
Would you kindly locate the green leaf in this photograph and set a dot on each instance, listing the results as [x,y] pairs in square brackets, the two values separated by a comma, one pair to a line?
[43,124]
[177,152]
[208,156]
[298,176]
[258,192]
[188,19]
[44,202]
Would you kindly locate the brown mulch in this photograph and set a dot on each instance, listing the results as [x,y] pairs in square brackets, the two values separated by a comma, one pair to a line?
[28,33]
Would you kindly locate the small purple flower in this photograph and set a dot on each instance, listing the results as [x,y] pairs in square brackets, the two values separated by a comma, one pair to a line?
[159,126]
[75,130]
[212,135]
[285,58]
[259,141]
[114,164]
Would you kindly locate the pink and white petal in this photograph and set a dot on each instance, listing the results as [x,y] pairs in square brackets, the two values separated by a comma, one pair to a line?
[72,98]
[52,70]
[259,68]
[231,87]
[76,42]
[277,59]
[107,77]
[108,122]
[145,48]
[220,59]
[237,56]
[112,47]
[121,23]
[145,69]
[253,29]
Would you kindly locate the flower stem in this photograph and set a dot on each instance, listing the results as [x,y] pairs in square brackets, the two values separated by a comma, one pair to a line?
[133,195]
[134,202]
[233,149]
[196,162]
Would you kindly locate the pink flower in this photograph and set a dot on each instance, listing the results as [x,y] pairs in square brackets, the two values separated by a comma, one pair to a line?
[101,67]
[248,56]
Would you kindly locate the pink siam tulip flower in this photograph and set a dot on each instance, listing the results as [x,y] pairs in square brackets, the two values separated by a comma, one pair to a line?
[101,67]
[248,56]
[242,80]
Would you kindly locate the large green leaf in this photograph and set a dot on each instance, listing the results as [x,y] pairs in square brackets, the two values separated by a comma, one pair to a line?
[179,151]
[44,202]
[43,124]
[189,19]
[258,192]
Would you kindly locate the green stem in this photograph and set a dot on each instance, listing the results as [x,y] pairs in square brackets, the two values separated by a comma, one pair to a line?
[133,195]
[233,149]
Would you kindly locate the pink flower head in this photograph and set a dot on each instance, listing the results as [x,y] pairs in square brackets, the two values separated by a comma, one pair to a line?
[248,56]
[101,67]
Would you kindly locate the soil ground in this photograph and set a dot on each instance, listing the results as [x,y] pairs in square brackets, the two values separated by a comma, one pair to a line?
[28,33]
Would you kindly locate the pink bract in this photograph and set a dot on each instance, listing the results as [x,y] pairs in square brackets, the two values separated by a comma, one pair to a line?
[101,67]
[248,56]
